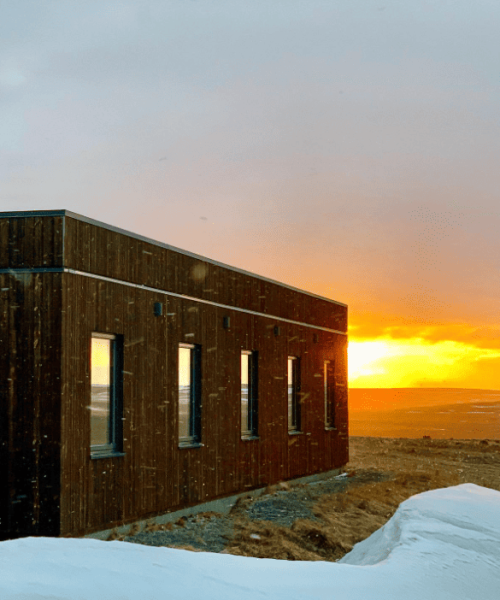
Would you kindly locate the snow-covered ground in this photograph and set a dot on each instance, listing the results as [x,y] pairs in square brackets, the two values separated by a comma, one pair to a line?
[443,544]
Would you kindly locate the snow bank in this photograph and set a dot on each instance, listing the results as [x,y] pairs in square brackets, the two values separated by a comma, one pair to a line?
[443,544]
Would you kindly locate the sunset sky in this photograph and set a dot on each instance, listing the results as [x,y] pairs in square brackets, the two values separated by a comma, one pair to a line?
[350,148]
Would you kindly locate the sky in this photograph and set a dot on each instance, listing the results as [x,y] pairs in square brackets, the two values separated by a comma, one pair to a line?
[348,148]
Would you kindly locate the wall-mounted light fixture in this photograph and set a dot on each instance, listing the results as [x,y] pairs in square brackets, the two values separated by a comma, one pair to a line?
[158,309]
[277,330]
[315,338]
[226,322]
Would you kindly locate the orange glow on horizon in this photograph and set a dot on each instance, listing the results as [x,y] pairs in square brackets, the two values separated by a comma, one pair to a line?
[417,362]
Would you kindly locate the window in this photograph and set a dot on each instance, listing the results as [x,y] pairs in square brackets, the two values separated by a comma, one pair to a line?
[293,393]
[189,394]
[106,394]
[329,393]
[249,415]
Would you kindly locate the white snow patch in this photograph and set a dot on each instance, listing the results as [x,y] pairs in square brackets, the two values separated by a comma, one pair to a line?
[443,544]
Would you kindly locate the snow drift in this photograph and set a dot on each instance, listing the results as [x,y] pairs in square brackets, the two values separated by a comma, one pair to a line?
[440,544]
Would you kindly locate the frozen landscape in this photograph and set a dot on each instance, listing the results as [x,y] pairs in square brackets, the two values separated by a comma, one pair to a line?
[439,544]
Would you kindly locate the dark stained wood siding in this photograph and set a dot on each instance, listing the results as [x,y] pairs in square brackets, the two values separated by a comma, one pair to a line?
[31,242]
[155,475]
[30,396]
[46,323]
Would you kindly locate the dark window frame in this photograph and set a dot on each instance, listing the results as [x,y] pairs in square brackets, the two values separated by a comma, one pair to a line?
[293,395]
[194,437]
[115,421]
[329,391]
[251,430]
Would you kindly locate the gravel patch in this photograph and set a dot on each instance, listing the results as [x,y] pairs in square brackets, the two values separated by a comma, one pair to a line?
[212,532]
[284,507]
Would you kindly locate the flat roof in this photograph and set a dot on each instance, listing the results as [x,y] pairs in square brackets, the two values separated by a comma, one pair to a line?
[68,213]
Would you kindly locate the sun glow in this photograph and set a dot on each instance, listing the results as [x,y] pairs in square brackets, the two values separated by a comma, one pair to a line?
[416,362]
[363,357]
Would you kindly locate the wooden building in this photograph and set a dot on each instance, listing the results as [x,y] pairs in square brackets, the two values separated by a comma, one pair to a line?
[137,378]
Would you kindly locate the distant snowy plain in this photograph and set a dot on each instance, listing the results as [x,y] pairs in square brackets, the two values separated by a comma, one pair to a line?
[439,545]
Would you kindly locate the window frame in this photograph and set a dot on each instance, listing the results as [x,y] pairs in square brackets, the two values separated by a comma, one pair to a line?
[294,424]
[194,437]
[115,417]
[329,391]
[252,429]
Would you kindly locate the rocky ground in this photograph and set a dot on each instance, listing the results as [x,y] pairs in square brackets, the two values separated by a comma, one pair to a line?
[323,520]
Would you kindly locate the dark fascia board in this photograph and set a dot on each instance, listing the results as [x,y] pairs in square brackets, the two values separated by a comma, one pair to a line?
[68,213]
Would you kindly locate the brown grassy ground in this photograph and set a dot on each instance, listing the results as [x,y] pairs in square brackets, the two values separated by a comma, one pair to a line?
[411,465]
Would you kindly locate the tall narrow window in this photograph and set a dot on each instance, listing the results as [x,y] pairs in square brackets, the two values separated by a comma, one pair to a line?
[293,393]
[249,381]
[189,394]
[105,398]
[329,393]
